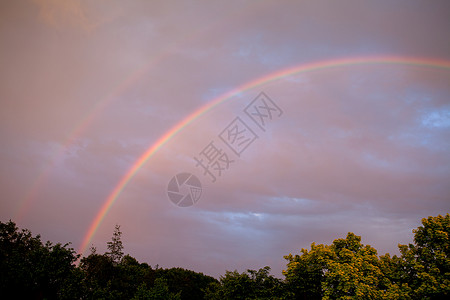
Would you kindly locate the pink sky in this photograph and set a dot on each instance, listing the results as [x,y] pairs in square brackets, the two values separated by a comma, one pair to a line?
[87,86]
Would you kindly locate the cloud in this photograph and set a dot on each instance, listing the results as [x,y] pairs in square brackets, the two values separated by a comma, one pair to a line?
[88,87]
[439,119]
[60,14]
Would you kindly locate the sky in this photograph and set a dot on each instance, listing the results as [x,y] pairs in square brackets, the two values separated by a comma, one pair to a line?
[300,120]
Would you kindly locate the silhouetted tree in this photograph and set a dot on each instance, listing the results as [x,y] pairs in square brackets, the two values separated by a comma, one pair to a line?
[115,246]
[247,285]
[346,269]
[30,269]
[188,284]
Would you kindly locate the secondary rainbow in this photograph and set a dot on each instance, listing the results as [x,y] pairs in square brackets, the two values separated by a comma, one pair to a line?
[302,68]
[81,127]
[76,132]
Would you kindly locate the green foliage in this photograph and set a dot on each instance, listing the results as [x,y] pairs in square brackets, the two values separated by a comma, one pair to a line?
[353,271]
[432,249]
[247,285]
[305,272]
[423,270]
[346,269]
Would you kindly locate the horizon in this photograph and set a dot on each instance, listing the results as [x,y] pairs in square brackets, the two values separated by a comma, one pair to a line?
[110,114]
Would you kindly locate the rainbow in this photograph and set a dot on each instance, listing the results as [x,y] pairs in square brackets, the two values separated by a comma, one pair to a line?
[80,127]
[74,134]
[302,68]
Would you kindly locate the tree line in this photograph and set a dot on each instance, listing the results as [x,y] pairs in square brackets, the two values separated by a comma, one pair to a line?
[345,269]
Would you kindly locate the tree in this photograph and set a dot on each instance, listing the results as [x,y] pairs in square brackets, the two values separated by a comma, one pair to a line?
[115,246]
[251,284]
[353,271]
[305,272]
[30,269]
[345,269]
[265,285]
[98,271]
[188,284]
[397,274]
[432,249]
[160,291]
[423,268]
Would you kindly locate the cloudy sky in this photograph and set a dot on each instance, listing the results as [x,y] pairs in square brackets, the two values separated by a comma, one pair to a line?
[358,141]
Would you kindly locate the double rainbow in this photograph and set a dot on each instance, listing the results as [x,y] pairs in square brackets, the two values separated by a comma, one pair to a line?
[315,66]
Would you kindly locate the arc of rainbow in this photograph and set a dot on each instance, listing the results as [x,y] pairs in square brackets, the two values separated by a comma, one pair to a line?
[315,66]
[87,120]
[76,132]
